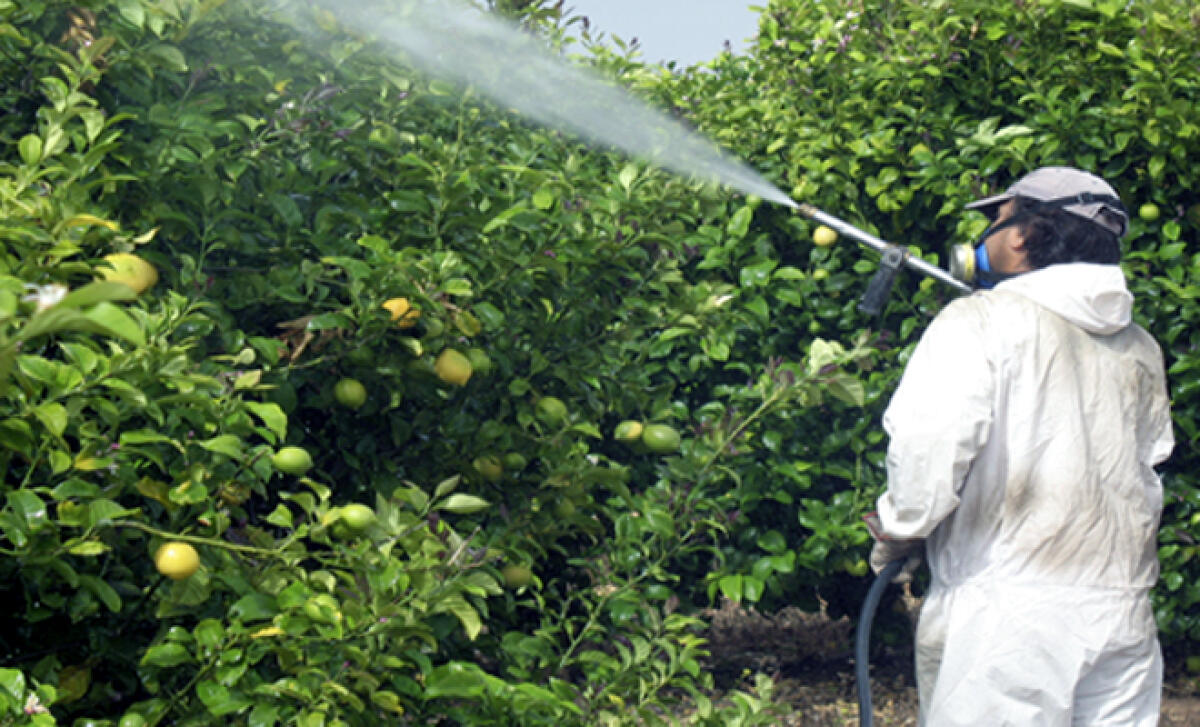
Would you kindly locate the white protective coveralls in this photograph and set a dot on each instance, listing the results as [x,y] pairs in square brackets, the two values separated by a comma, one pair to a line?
[1023,439]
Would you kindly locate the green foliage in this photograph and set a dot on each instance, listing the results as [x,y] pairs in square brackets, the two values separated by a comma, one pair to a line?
[286,183]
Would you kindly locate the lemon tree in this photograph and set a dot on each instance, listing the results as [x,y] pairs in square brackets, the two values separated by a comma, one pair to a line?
[318,211]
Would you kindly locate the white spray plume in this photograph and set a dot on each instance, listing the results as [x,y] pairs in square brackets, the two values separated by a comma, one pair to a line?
[451,40]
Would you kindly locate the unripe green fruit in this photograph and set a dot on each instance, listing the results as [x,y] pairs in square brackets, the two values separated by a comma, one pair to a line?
[489,468]
[357,517]
[350,393]
[481,363]
[660,439]
[516,576]
[292,460]
[564,508]
[551,410]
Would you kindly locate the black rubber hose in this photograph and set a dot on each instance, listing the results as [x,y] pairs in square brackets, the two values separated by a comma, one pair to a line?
[862,639]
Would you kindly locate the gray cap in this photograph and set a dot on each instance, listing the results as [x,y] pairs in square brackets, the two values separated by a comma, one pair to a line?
[1056,183]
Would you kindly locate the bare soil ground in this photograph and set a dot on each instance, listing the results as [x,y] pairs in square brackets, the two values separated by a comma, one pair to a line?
[810,658]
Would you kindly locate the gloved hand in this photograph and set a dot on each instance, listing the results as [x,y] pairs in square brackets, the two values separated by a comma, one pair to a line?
[885,551]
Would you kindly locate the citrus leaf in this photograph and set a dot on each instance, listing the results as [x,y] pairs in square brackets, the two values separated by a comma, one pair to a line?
[98,292]
[166,655]
[107,595]
[108,319]
[88,548]
[463,504]
[227,444]
[92,221]
[272,416]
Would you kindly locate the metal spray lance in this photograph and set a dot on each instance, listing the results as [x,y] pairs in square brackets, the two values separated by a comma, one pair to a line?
[892,257]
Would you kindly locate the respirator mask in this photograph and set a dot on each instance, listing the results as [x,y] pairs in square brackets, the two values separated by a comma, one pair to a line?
[970,264]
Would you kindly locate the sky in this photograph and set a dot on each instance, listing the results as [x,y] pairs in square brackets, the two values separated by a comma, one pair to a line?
[685,31]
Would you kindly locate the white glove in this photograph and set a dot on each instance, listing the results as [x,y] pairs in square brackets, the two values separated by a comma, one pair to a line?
[886,551]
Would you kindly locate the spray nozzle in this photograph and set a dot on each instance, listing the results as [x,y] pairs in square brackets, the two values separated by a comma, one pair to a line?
[963,263]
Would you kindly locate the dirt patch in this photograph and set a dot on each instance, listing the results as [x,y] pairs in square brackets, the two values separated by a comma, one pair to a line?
[810,658]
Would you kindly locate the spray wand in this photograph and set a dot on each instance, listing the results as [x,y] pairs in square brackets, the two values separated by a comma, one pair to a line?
[892,258]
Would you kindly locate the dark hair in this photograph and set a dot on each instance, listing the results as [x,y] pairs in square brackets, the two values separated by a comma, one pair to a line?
[1054,236]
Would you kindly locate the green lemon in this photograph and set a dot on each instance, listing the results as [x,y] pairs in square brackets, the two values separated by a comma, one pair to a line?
[489,468]
[551,410]
[350,393]
[564,508]
[515,461]
[857,568]
[357,517]
[660,438]
[292,460]
[481,363]
[517,576]
[1148,212]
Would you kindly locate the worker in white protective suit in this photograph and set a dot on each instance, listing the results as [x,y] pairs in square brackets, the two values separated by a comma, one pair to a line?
[1023,437]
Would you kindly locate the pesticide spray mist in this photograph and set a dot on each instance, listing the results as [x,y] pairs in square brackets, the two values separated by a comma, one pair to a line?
[451,40]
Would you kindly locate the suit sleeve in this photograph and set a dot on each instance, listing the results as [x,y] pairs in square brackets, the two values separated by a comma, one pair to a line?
[938,420]
[1159,426]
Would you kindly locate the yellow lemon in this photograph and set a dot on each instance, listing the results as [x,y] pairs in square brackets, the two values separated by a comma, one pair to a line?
[127,268]
[628,431]
[177,561]
[824,236]
[452,367]
[402,312]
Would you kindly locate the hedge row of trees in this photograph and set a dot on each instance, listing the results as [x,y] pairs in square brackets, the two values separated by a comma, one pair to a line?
[473,541]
